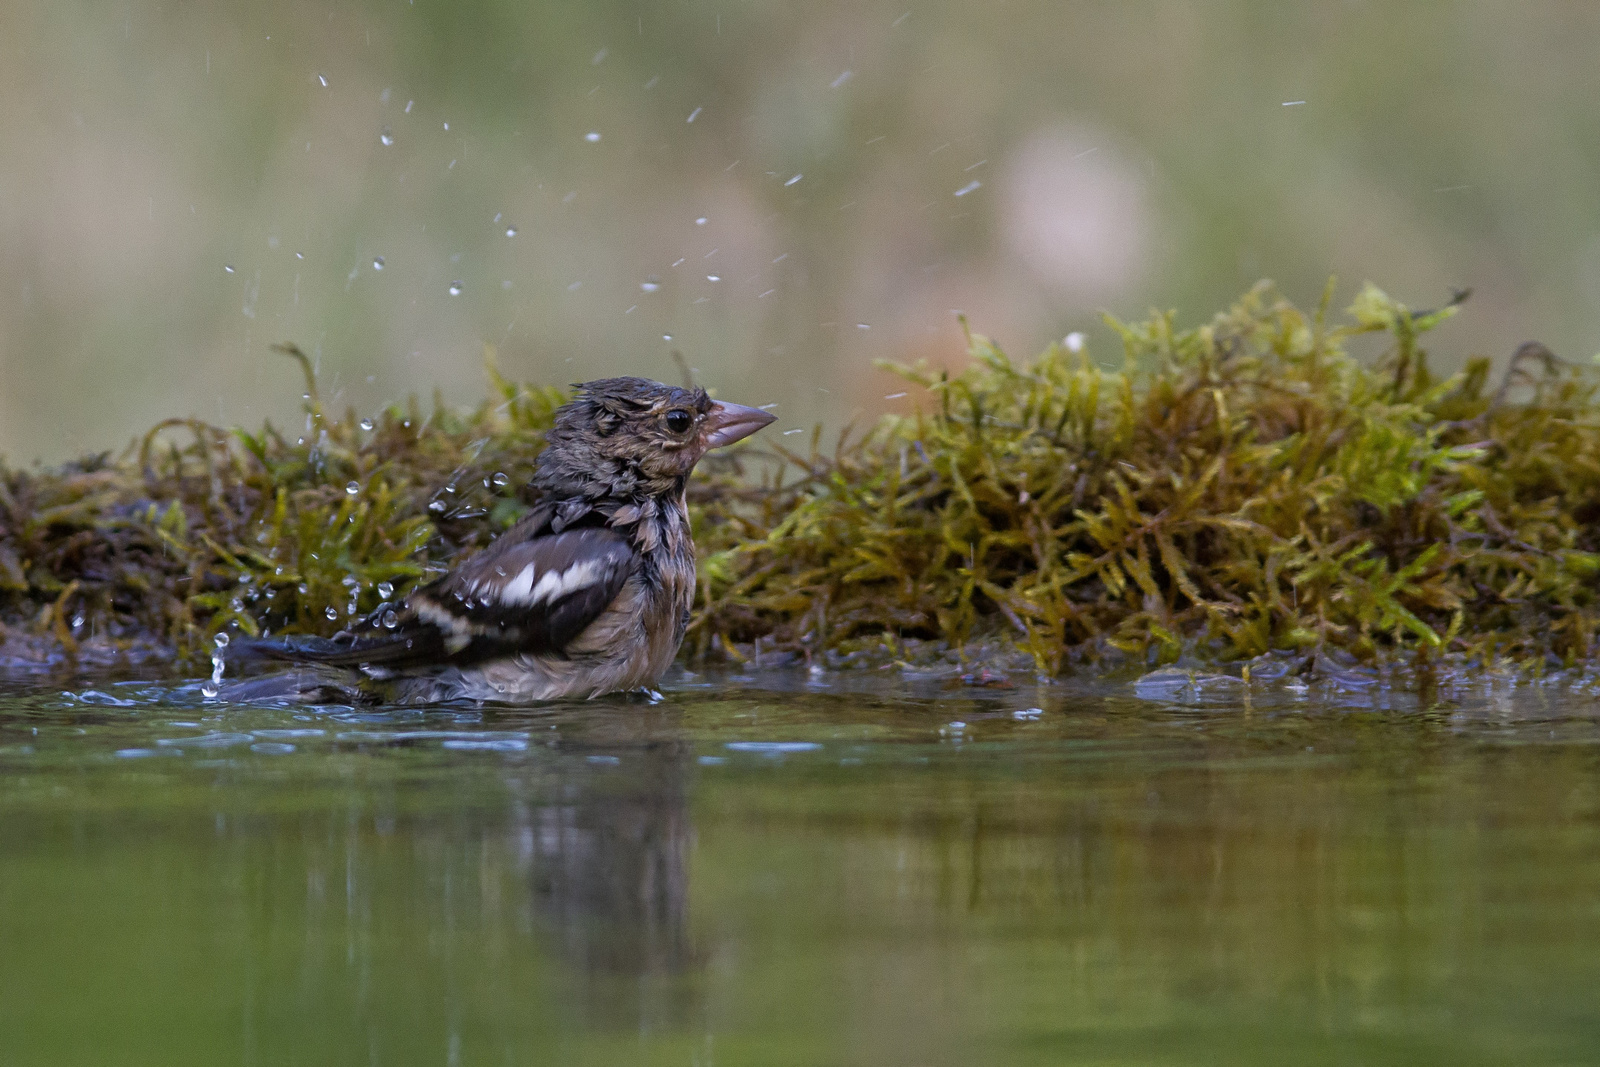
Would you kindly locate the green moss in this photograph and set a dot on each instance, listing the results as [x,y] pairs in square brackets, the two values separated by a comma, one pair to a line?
[1236,488]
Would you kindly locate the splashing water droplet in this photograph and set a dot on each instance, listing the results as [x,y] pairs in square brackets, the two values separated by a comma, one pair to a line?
[650,286]
[377,262]
[667,337]
[511,231]
[436,505]
[862,326]
[353,488]
[323,78]
[455,288]
[1074,341]
[713,277]
[501,478]
[791,181]
[701,221]
[969,188]
[386,138]
[592,136]
[227,268]
[366,424]
[219,663]
[332,612]
[303,588]
[386,589]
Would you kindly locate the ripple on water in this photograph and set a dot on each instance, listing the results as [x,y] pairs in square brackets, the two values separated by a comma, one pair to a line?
[502,744]
[211,740]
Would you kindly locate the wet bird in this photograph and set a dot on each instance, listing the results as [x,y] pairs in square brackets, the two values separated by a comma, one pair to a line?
[588,594]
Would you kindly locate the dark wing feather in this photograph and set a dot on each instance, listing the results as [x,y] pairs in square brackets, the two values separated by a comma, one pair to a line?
[521,594]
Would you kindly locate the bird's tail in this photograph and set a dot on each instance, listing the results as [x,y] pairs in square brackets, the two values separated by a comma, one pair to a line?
[379,651]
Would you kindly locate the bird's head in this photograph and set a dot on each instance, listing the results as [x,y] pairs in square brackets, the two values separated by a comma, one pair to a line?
[622,436]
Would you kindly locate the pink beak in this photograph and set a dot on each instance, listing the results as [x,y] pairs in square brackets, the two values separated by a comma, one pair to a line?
[727,423]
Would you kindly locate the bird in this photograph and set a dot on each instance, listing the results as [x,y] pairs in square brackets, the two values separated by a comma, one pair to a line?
[587,594]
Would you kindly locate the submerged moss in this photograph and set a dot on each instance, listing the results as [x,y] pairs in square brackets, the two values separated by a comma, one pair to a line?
[1237,488]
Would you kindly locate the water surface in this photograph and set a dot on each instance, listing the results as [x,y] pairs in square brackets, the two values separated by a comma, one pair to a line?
[768,870]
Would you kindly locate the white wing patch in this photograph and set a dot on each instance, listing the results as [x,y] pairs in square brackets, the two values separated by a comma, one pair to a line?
[457,632]
[551,585]
[519,589]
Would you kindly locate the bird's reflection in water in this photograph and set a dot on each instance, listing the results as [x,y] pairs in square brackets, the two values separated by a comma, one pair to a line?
[605,838]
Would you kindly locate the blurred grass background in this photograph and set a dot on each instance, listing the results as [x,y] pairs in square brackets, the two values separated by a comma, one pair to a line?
[784,190]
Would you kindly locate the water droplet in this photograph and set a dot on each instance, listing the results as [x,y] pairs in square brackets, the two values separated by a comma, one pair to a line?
[592,136]
[221,640]
[1074,341]
[332,612]
[667,337]
[713,277]
[386,589]
[650,286]
[386,137]
[862,326]
[694,114]
[511,231]
[353,488]
[968,188]
[455,288]
[791,181]
[501,478]
[701,221]
[323,78]
[209,691]
[303,588]
[366,424]
[227,268]
[437,505]
[390,620]
[377,262]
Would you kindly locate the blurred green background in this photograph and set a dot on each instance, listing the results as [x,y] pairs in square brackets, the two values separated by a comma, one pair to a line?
[785,190]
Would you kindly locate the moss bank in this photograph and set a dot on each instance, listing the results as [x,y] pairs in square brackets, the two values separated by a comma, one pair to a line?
[1233,489]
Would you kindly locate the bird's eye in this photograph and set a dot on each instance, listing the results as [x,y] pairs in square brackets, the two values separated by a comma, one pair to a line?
[679,420]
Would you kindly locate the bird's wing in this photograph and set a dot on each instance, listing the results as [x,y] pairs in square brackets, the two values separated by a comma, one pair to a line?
[521,594]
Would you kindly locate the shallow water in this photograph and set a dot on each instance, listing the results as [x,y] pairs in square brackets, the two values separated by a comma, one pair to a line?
[763,870]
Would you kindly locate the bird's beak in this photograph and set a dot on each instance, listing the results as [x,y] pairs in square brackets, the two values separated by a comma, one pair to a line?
[727,423]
